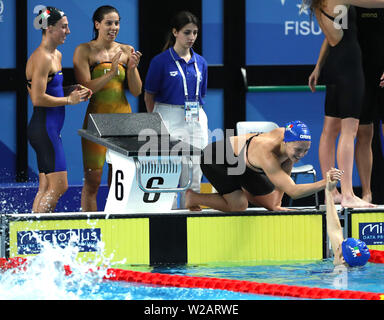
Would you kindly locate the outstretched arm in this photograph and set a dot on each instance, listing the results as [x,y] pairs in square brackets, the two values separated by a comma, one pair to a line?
[282,181]
[334,230]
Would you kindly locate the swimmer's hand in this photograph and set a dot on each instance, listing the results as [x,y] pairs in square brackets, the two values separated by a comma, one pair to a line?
[333,177]
[90,93]
[134,59]
[79,95]
[382,81]
[69,89]
[313,78]
[115,62]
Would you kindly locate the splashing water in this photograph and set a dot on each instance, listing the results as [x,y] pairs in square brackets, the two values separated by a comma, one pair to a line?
[43,277]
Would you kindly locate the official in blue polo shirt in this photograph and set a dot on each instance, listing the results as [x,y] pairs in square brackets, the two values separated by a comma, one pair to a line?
[175,87]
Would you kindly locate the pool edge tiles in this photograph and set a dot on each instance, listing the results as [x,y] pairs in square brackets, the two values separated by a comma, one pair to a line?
[124,239]
[182,237]
[255,238]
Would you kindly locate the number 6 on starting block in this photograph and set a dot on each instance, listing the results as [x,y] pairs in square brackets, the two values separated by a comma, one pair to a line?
[144,184]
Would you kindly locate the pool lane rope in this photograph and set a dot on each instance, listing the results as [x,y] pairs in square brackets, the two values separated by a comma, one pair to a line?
[242,286]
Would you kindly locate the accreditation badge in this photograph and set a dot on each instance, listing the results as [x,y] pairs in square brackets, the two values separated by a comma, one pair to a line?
[191,111]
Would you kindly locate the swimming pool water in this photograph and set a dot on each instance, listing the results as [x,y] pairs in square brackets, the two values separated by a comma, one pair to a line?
[321,274]
[92,287]
[44,279]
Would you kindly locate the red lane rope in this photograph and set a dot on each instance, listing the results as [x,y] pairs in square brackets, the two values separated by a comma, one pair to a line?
[377,256]
[282,290]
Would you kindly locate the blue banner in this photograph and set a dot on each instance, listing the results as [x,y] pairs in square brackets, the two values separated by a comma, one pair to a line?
[372,233]
[7,38]
[31,242]
[279,32]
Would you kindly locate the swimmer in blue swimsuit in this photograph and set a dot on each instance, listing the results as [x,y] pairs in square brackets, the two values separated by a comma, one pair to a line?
[256,169]
[45,86]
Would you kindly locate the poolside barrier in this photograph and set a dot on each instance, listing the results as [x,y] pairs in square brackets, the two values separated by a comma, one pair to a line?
[243,286]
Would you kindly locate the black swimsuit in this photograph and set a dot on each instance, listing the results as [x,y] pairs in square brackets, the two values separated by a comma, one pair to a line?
[215,164]
[343,73]
[370,26]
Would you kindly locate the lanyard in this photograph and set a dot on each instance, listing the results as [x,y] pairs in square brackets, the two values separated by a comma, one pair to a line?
[184,79]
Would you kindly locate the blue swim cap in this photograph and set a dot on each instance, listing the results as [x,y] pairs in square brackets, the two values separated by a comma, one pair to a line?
[355,252]
[296,131]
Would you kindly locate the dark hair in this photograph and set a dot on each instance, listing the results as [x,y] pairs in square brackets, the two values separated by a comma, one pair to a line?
[98,16]
[179,21]
[54,16]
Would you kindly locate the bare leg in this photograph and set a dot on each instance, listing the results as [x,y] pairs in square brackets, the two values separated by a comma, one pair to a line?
[364,158]
[43,186]
[92,179]
[327,149]
[270,201]
[234,201]
[345,156]
[57,185]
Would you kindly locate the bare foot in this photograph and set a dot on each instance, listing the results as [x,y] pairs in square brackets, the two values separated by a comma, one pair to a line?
[189,201]
[337,197]
[367,197]
[356,202]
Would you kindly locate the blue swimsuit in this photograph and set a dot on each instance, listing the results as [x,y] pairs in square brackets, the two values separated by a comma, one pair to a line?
[44,130]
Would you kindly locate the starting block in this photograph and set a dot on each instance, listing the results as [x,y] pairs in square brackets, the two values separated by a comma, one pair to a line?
[146,161]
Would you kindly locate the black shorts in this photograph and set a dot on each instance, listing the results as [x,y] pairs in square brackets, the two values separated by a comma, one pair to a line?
[344,77]
[215,167]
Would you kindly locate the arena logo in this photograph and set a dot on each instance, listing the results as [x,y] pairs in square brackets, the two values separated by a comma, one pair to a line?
[372,233]
[31,242]
[1,10]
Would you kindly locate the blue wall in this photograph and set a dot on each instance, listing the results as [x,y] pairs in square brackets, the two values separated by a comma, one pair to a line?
[277,33]
[8,136]
[7,38]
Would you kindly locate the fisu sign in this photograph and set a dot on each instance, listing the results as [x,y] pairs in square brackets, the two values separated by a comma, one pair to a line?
[276,26]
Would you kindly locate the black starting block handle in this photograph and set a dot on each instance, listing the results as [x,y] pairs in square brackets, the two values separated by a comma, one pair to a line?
[159,190]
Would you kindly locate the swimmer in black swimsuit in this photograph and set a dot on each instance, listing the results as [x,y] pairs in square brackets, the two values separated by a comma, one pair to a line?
[370,24]
[254,179]
[256,169]
[44,82]
[340,57]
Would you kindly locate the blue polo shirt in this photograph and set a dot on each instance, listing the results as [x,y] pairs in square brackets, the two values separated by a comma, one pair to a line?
[166,83]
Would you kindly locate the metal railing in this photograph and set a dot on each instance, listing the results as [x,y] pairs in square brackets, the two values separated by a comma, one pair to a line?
[298,88]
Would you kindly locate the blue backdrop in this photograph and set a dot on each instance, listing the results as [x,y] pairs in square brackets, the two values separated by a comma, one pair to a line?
[278,33]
